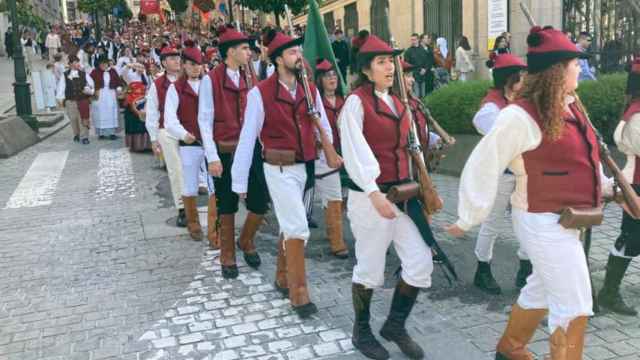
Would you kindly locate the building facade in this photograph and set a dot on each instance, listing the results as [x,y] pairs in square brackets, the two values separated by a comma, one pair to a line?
[49,10]
[479,20]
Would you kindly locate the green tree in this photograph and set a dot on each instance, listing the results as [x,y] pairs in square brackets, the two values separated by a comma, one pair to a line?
[179,6]
[274,6]
[26,15]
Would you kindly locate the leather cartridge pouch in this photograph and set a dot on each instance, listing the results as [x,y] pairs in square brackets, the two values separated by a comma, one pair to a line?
[403,192]
[279,157]
[227,147]
[572,218]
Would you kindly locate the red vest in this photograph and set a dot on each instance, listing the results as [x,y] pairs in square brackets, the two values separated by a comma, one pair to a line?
[162,85]
[495,96]
[332,115]
[287,126]
[386,133]
[421,122]
[564,172]
[98,79]
[188,107]
[633,109]
[229,103]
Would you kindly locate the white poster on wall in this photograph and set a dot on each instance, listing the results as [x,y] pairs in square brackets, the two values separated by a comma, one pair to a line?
[498,20]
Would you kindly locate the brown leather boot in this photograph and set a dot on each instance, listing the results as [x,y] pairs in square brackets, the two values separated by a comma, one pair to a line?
[212,224]
[568,345]
[333,219]
[281,270]
[193,221]
[228,246]
[297,279]
[246,244]
[521,327]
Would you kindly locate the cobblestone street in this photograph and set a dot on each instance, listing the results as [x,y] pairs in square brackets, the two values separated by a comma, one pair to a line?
[90,269]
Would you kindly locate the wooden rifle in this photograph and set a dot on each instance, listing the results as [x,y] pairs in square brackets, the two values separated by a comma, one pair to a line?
[428,202]
[333,159]
[432,156]
[249,74]
[629,195]
[417,168]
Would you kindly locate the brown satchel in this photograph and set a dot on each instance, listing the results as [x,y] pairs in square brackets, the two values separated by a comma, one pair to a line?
[227,147]
[280,157]
[403,192]
[572,218]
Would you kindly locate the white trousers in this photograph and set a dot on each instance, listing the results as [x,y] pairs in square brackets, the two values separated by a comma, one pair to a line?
[192,158]
[327,188]
[171,155]
[374,234]
[490,228]
[286,187]
[560,278]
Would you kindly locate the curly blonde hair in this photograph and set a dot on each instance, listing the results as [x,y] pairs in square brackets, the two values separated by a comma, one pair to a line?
[546,91]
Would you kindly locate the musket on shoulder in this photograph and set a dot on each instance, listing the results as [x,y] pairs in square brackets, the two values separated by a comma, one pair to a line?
[333,159]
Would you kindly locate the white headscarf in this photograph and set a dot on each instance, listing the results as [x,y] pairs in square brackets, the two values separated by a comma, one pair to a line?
[442,45]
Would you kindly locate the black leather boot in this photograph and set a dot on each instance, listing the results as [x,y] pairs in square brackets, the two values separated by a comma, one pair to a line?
[609,297]
[363,338]
[484,280]
[523,273]
[404,297]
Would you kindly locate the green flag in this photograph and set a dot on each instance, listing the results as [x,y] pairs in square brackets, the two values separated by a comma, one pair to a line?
[317,44]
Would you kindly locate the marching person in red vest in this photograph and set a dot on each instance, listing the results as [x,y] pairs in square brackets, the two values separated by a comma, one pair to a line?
[374,135]
[181,122]
[327,182]
[223,99]
[627,138]
[508,71]
[161,141]
[428,139]
[277,114]
[545,139]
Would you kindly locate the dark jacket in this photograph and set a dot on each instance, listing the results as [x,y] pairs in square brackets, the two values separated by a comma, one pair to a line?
[421,58]
[341,51]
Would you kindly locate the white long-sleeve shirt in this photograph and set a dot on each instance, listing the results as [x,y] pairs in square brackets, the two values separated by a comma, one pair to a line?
[251,128]
[359,161]
[171,121]
[486,117]
[627,138]
[514,133]
[152,110]
[62,84]
[206,113]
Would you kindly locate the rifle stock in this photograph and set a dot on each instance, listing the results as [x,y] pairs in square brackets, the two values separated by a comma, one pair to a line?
[418,169]
[629,194]
[448,139]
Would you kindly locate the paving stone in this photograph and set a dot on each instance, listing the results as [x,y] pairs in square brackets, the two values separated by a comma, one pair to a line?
[327,349]
[191,338]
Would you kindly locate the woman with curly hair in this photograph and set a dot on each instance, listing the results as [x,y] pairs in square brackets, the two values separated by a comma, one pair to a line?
[545,139]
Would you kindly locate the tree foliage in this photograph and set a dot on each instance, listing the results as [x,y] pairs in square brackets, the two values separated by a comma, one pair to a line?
[26,15]
[92,6]
[179,6]
[274,6]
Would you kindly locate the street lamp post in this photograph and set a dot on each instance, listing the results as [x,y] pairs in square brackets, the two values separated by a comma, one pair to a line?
[21,88]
